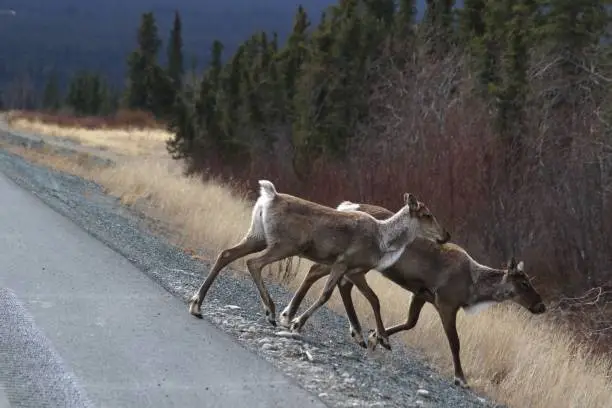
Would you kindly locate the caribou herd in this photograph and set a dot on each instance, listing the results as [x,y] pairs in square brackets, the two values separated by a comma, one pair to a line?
[408,247]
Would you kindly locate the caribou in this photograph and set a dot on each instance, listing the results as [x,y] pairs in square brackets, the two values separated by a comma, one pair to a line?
[444,275]
[283,226]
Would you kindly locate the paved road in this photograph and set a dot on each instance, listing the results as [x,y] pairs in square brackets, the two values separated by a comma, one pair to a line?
[81,326]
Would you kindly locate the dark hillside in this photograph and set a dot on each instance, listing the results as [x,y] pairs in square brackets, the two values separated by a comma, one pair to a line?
[67,35]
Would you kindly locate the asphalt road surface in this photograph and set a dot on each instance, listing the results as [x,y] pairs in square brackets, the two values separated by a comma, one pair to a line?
[80,326]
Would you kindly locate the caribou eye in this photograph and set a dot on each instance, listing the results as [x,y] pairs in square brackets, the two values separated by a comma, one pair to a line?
[524,285]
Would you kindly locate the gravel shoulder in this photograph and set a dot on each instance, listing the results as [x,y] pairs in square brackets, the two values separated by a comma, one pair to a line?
[325,361]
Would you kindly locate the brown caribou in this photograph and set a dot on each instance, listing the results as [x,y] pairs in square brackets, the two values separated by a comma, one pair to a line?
[444,275]
[283,225]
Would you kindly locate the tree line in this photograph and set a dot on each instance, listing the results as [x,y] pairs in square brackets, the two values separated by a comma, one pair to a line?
[316,87]
[150,87]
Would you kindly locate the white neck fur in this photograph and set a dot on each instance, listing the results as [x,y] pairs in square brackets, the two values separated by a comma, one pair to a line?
[396,233]
[392,243]
[391,229]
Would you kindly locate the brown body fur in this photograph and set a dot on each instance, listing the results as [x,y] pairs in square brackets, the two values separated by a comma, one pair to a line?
[302,222]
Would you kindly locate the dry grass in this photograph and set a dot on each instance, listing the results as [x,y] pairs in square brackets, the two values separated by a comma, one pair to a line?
[122,119]
[79,164]
[516,358]
[132,142]
[160,188]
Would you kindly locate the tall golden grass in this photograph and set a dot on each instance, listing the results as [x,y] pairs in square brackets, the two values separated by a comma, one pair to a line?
[514,357]
[128,141]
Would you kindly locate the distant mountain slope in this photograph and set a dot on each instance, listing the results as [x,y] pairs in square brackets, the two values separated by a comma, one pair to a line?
[67,35]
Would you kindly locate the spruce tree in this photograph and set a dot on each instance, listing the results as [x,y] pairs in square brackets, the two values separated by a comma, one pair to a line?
[143,70]
[438,23]
[216,65]
[574,31]
[52,98]
[175,53]
[574,25]
[512,94]
[86,93]
[207,112]
[148,38]
[472,21]
[295,51]
[383,10]
[487,49]
[405,19]
[182,125]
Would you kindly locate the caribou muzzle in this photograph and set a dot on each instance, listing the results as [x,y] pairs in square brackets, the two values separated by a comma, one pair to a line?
[538,308]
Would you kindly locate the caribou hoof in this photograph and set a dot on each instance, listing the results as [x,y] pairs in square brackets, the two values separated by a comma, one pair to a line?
[271,318]
[284,320]
[356,335]
[374,339]
[461,383]
[296,325]
[194,307]
[384,341]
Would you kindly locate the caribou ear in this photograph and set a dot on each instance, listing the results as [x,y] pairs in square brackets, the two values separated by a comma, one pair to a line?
[520,267]
[511,264]
[411,201]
